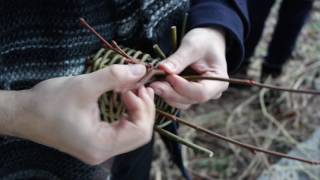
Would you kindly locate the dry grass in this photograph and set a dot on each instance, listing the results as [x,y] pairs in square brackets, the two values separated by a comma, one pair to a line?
[271,120]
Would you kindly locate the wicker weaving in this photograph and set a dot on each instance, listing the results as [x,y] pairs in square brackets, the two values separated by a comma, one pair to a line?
[110,103]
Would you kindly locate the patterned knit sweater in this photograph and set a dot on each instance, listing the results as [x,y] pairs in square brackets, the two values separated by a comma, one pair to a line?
[42,39]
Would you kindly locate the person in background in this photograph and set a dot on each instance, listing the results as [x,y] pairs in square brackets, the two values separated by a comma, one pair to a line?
[293,14]
[49,118]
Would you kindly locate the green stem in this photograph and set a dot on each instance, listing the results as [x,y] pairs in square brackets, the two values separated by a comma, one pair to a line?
[163,125]
[174,38]
[159,52]
[184,25]
[184,142]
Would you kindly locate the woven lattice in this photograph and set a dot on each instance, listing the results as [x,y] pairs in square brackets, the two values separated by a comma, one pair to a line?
[110,103]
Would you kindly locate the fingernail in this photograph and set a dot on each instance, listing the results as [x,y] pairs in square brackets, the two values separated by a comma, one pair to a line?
[169,65]
[137,69]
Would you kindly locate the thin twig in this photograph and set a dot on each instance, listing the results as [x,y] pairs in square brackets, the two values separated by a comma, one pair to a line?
[159,51]
[251,148]
[184,142]
[184,25]
[174,38]
[251,83]
[114,46]
[84,23]
[146,79]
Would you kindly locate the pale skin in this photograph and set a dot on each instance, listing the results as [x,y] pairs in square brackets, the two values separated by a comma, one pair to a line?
[202,49]
[62,113]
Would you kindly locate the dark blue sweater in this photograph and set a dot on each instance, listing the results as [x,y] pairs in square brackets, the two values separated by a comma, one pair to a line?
[232,15]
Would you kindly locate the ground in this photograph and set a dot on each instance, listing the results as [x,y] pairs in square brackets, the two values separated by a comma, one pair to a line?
[276,121]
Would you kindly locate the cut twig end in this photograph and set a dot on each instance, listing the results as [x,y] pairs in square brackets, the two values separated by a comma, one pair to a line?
[174,38]
[159,51]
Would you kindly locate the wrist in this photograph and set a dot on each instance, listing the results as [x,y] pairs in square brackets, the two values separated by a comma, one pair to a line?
[12,107]
[220,36]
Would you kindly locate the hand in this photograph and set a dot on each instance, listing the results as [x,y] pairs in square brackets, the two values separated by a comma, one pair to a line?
[63,113]
[203,49]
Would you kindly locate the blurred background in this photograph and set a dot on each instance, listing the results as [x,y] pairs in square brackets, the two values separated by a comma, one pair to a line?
[288,123]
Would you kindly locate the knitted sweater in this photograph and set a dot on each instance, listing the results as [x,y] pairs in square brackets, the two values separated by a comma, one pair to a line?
[42,39]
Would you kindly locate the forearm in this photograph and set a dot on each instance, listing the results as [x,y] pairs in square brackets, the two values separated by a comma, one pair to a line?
[11,108]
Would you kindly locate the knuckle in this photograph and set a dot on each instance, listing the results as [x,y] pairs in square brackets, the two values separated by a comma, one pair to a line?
[217,96]
[167,96]
[115,73]
[225,87]
[203,96]
[177,59]
[190,42]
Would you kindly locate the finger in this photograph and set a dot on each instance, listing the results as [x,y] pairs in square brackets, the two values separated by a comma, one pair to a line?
[147,96]
[200,91]
[144,95]
[179,105]
[115,77]
[132,103]
[140,113]
[116,138]
[147,108]
[124,136]
[179,60]
[151,93]
[164,90]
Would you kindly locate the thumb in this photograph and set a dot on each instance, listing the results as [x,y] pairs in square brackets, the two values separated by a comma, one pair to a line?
[179,60]
[116,77]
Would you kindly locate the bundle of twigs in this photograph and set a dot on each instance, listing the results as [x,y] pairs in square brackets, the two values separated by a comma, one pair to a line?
[111,107]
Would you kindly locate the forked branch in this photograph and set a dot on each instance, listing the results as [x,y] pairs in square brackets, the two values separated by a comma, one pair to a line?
[249,147]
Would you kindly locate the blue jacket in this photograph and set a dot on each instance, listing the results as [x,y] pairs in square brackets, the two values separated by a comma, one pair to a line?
[232,15]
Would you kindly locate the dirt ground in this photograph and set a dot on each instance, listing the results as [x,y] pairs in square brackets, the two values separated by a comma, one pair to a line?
[276,121]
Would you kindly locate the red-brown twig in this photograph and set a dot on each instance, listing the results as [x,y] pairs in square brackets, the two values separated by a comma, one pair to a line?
[252,83]
[114,46]
[158,72]
[232,141]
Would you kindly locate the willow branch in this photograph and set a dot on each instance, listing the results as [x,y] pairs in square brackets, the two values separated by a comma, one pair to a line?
[249,147]
[156,72]
[158,50]
[252,83]
[114,46]
[184,24]
[84,23]
[184,142]
[152,72]
[174,38]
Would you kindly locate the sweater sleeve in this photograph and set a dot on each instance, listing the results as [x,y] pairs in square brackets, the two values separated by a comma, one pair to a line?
[232,16]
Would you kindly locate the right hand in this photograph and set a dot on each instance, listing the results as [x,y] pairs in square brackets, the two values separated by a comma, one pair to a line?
[63,113]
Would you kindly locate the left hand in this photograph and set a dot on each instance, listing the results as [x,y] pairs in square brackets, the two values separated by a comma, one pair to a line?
[203,49]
